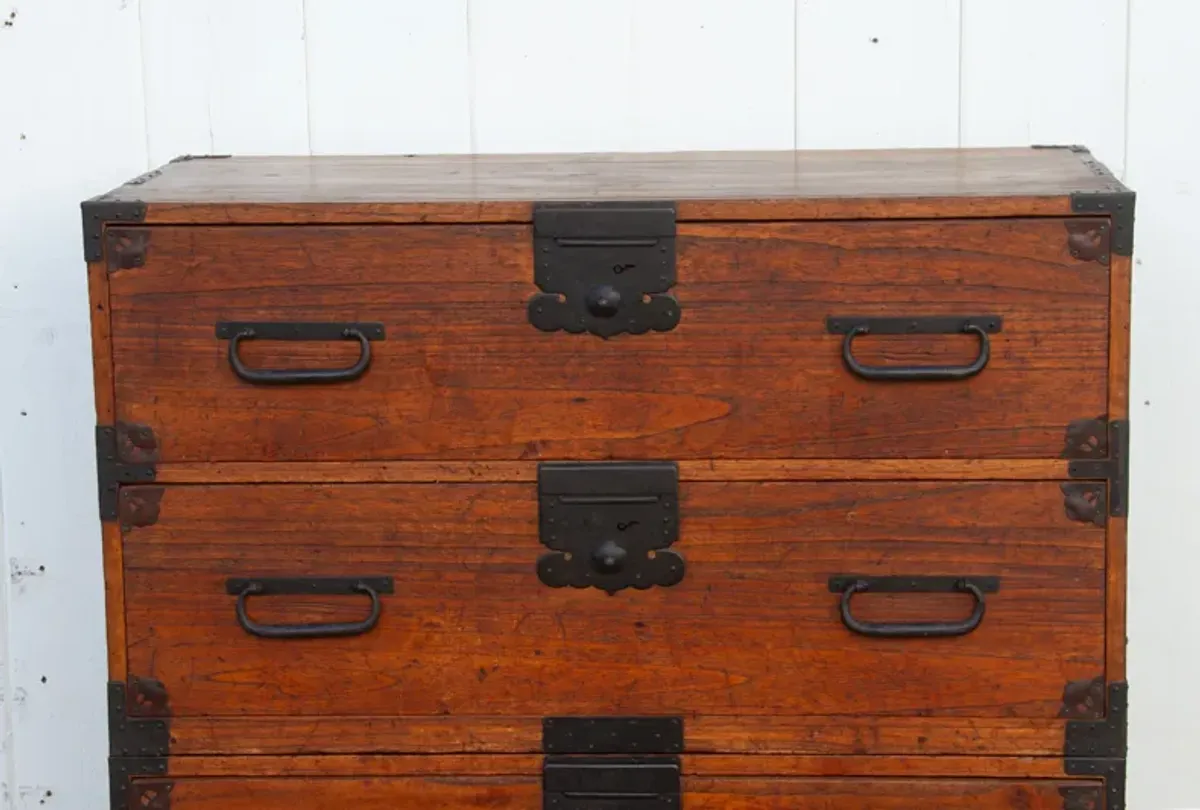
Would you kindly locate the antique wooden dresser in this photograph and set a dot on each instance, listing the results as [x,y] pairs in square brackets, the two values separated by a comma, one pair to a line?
[711,480]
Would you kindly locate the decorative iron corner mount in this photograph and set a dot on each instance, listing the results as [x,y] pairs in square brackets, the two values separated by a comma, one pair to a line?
[1116,204]
[125,454]
[138,745]
[100,211]
[1098,450]
[1095,742]
[1096,736]
[1111,770]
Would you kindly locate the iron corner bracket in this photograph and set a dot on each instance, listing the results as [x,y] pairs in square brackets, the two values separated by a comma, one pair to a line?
[188,158]
[137,746]
[99,211]
[121,775]
[1114,469]
[1118,205]
[111,468]
[1103,738]
[1074,147]
[1111,770]
[129,734]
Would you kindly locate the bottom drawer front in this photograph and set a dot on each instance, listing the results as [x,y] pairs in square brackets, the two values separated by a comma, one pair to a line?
[337,793]
[888,794]
[524,792]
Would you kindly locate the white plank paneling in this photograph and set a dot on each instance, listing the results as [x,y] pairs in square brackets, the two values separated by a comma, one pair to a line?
[1039,72]
[388,78]
[176,48]
[551,77]
[876,73]
[230,70]
[259,99]
[1164,656]
[71,126]
[710,74]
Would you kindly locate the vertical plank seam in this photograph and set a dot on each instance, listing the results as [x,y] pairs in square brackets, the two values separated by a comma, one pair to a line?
[142,76]
[308,107]
[632,134]
[961,29]
[8,744]
[795,75]
[1124,173]
[472,129]
[208,77]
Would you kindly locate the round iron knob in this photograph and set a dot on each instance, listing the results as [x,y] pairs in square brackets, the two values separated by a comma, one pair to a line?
[603,301]
[609,557]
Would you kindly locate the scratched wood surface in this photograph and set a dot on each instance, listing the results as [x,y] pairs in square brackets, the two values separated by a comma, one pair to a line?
[654,175]
[750,371]
[705,765]
[524,792]
[752,630]
[745,734]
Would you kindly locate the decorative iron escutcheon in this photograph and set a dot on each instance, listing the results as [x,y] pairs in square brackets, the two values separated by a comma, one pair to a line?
[609,524]
[604,268]
[611,783]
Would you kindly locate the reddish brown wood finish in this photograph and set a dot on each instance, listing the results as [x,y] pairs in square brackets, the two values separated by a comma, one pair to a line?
[456,792]
[102,374]
[517,471]
[1118,408]
[843,735]
[510,212]
[699,765]
[525,793]
[749,373]
[792,470]
[891,794]
[1011,783]
[752,631]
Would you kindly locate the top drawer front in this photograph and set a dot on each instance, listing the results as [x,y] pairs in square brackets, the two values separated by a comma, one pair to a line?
[751,370]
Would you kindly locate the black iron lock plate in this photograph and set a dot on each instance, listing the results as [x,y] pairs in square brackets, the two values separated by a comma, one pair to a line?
[612,735]
[610,524]
[604,268]
[602,783]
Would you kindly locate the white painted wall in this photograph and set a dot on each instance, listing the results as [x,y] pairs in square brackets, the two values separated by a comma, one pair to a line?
[93,92]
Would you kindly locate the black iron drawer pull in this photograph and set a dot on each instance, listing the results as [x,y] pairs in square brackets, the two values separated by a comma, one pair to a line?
[979,325]
[849,584]
[364,333]
[327,586]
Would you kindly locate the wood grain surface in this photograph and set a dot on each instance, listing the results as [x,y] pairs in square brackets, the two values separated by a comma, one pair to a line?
[819,734]
[655,175]
[752,631]
[931,206]
[704,765]
[1118,408]
[749,373]
[936,469]
[524,792]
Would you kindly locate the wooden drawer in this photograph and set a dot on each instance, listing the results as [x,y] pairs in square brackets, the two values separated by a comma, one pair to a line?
[752,369]
[471,649]
[710,783]
[458,791]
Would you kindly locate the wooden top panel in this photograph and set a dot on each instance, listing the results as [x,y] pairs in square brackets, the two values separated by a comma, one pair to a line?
[765,175]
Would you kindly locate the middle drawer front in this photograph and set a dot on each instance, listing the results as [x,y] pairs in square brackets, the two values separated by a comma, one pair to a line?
[471,648]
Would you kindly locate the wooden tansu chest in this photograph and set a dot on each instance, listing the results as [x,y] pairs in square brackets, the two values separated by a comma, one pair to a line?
[705,480]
